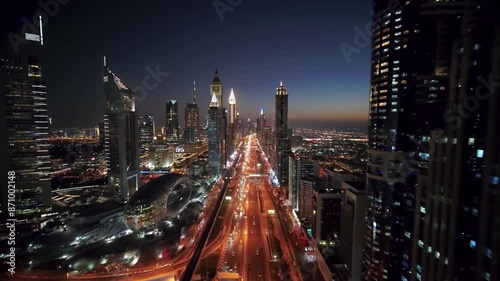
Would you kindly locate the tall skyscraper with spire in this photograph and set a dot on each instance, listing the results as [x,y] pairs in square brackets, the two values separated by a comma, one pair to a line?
[214,135]
[191,119]
[172,124]
[232,107]
[283,149]
[231,125]
[121,136]
[24,123]
[216,87]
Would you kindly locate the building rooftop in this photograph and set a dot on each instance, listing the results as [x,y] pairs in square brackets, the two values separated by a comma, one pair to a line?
[358,185]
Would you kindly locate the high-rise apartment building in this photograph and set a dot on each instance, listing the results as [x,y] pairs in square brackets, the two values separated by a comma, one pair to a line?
[282,141]
[232,107]
[121,142]
[231,125]
[146,134]
[172,124]
[214,136]
[432,159]
[24,123]
[352,227]
[191,119]
[457,232]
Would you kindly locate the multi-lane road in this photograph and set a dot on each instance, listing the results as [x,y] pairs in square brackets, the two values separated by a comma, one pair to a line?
[250,250]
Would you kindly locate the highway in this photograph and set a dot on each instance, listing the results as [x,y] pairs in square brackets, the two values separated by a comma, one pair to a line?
[250,250]
[190,269]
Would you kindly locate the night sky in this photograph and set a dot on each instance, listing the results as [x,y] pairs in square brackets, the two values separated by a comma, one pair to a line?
[256,45]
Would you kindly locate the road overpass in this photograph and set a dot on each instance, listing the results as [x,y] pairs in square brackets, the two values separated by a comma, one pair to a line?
[190,270]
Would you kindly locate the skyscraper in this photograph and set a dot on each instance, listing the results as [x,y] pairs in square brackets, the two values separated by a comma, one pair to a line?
[457,231]
[216,87]
[172,124]
[282,140]
[231,125]
[191,119]
[146,134]
[232,107]
[420,178]
[121,136]
[398,31]
[214,135]
[25,125]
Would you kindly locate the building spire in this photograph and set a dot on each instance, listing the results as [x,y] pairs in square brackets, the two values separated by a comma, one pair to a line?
[216,71]
[194,90]
[261,110]
[281,83]
[214,102]
[232,99]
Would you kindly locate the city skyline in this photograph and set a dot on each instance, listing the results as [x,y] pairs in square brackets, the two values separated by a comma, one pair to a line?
[324,75]
[179,166]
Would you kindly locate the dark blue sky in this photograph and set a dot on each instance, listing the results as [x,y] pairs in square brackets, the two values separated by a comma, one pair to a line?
[258,44]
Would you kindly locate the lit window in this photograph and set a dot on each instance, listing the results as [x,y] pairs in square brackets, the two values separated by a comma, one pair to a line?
[476,46]
[394,110]
[472,244]
[397,33]
[398,19]
[420,243]
[480,153]
[438,255]
[494,180]
[422,209]
[471,141]
[398,26]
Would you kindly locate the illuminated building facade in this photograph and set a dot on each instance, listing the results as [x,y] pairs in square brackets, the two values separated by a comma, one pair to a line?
[191,119]
[121,142]
[214,136]
[24,123]
[283,149]
[172,124]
